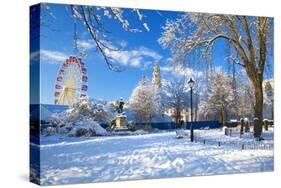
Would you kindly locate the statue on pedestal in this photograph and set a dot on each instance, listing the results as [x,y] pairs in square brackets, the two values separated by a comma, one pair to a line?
[121,118]
[120,106]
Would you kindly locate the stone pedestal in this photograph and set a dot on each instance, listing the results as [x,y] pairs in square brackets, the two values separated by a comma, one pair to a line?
[121,121]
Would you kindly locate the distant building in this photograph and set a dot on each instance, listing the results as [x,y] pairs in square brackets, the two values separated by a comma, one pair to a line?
[156,77]
[185,114]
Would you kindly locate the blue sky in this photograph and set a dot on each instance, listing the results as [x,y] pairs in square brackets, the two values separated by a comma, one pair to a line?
[141,50]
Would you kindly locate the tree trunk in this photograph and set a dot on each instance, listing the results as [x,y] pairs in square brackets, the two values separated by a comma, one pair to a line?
[177,118]
[258,108]
[222,116]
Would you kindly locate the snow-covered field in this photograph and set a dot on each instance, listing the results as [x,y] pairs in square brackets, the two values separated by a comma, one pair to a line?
[161,155]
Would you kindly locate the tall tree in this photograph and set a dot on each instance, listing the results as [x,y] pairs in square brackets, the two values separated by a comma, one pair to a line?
[143,103]
[221,97]
[246,100]
[250,37]
[176,97]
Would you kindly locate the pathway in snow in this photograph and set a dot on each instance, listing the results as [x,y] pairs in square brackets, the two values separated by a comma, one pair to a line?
[82,160]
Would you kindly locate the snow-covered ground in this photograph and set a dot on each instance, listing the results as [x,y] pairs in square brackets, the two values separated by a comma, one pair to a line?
[161,155]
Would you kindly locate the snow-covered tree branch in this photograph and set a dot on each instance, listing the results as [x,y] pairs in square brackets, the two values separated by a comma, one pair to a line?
[220,98]
[176,97]
[144,102]
[91,19]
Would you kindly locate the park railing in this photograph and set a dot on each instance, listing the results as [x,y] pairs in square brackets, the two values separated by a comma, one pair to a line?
[233,144]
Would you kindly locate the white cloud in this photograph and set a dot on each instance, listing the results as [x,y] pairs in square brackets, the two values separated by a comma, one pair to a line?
[52,57]
[85,44]
[139,58]
[181,70]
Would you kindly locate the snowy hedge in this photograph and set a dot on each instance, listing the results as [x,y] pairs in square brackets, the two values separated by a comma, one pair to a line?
[80,120]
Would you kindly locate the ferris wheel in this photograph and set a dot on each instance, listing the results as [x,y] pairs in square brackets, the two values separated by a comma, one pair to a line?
[71,82]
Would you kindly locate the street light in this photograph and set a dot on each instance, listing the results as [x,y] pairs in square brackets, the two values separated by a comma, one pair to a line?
[191,84]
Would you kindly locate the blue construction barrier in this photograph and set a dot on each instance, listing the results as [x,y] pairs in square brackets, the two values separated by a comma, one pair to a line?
[203,124]
[172,125]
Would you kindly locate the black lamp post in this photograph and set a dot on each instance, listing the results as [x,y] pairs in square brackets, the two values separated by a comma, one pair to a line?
[191,84]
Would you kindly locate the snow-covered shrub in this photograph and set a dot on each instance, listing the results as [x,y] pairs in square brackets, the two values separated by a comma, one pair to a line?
[80,131]
[50,131]
[87,128]
[63,130]
[82,119]
[132,126]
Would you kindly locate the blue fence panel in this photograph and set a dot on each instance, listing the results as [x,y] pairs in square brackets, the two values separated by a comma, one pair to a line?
[163,126]
[203,124]
[172,125]
[160,126]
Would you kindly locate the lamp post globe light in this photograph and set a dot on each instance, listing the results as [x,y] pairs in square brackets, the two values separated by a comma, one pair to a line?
[191,84]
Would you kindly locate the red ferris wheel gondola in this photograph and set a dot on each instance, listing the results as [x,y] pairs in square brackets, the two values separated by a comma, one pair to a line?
[59,78]
[84,88]
[58,86]
[84,78]
[84,70]
[57,94]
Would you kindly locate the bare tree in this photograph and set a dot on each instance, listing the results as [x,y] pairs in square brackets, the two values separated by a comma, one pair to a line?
[221,97]
[176,97]
[247,100]
[250,37]
[143,102]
